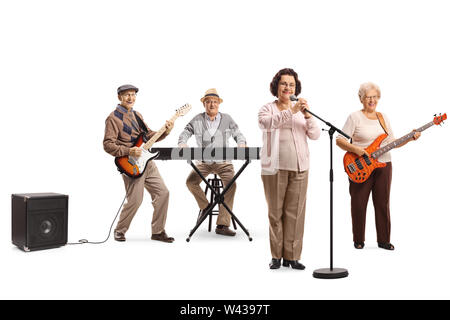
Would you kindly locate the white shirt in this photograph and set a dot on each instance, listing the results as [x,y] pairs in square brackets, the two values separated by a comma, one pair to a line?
[212,125]
[364,131]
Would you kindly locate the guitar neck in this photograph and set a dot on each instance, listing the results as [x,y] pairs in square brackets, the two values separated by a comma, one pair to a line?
[158,134]
[400,141]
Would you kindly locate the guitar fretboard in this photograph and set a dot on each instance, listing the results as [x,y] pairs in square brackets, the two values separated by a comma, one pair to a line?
[399,141]
[158,134]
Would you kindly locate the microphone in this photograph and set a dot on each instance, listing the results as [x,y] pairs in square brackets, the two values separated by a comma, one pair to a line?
[292,97]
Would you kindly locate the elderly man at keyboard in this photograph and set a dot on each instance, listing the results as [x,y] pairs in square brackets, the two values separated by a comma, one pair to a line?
[212,129]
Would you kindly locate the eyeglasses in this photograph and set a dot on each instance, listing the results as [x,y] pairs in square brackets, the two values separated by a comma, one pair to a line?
[212,101]
[285,84]
[372,97]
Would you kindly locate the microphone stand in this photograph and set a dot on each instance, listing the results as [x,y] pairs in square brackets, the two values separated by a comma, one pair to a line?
[331,272]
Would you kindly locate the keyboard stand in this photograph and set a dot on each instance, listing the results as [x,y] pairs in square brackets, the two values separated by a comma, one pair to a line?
[218,199]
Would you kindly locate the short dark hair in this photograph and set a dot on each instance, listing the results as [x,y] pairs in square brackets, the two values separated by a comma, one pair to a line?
[277,77]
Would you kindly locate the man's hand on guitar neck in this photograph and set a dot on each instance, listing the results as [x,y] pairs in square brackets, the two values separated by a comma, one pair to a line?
[169,126]
[135,152]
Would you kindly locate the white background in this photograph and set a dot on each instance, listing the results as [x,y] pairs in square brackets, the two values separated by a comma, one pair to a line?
[61,62]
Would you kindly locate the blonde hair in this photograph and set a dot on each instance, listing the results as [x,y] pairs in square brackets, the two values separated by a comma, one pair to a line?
[368,86]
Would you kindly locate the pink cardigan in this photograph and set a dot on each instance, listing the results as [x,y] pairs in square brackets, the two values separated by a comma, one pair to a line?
[270,118]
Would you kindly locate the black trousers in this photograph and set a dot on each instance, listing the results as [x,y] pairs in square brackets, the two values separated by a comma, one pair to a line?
[379,183]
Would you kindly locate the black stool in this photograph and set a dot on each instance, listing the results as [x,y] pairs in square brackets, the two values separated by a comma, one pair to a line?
[217,185]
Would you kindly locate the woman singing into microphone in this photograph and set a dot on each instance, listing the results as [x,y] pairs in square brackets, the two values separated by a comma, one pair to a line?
[285,163]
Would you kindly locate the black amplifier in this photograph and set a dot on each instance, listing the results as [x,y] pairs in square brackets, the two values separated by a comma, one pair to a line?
[39,220]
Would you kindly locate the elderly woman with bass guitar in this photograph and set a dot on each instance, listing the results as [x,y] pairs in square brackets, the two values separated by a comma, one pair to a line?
[365,128]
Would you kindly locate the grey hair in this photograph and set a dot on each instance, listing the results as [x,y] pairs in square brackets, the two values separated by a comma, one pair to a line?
[365,87]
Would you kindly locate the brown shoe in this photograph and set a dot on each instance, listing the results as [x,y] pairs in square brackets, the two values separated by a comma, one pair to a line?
[162,237]
[119,236]
[225,231]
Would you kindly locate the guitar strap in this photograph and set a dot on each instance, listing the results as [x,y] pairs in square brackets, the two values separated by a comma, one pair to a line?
[382,123]
[141,123]
[381,120]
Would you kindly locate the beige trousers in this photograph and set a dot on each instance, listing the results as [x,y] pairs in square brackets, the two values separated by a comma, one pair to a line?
[286,200]
[152,181]
[226,172]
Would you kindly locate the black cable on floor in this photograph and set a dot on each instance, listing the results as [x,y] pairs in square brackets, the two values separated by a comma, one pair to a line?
[83,241]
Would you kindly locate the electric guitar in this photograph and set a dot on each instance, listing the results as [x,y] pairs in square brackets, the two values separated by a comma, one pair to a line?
[134,167]
[359,168]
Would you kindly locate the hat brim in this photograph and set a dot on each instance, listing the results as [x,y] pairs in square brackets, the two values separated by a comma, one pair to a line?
[127,87]
[213,96]
[135,90]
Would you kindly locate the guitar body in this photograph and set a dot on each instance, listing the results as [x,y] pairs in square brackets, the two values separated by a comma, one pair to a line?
[360,168]
[134,167]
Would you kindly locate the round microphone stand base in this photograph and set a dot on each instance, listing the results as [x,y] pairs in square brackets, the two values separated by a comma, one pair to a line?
[327,273]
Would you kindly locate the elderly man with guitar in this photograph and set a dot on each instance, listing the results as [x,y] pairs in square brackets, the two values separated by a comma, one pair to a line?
[125,133]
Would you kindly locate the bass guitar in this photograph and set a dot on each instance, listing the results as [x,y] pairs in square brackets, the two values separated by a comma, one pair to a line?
[359,168]
[134,167]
